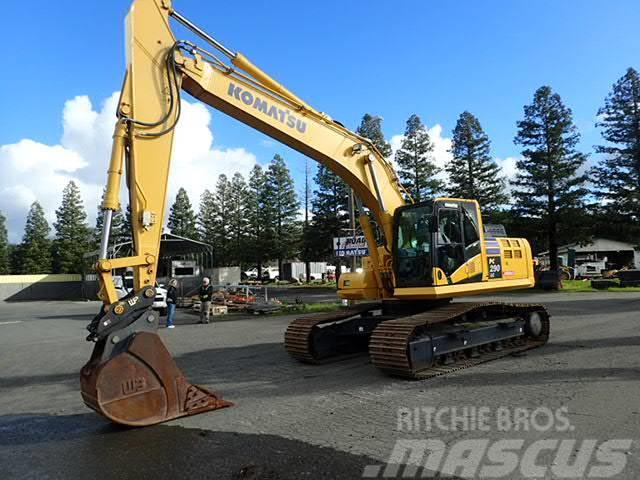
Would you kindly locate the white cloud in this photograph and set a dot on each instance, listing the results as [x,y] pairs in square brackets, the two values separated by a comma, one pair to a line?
[36,171]
[441,147]
[508,166]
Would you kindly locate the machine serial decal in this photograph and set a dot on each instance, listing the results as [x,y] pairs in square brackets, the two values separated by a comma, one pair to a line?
[283,116]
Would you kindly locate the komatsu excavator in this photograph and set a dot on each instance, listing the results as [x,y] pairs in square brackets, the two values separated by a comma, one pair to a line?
[421,255]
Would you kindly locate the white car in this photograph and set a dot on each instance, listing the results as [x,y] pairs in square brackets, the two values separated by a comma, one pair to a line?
[159,302]
[268,273]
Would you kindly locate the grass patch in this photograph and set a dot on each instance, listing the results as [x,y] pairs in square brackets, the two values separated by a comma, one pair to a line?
[320,307]
[585,286]
[303,308]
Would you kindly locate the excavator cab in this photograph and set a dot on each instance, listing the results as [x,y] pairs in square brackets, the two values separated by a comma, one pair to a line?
[434,240]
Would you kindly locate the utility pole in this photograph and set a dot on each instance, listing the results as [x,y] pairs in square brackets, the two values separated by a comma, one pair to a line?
[307,263]
[352,225]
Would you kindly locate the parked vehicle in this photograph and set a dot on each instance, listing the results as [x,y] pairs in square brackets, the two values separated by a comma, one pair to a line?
[123,287]
[268,274]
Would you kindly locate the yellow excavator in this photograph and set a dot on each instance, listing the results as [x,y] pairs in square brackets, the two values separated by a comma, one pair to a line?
[421,255]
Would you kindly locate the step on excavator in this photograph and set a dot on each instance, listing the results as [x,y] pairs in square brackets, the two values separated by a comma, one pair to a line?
[421,255]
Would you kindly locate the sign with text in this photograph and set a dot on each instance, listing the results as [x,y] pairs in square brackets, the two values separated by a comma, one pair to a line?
[494,230]
[350,246]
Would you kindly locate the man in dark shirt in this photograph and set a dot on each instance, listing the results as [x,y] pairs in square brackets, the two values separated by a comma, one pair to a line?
[205,293]
[172,301]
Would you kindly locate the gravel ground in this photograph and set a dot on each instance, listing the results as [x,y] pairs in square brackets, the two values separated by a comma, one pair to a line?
[336,420]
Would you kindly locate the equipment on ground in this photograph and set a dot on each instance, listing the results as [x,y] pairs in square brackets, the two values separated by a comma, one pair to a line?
[421,255]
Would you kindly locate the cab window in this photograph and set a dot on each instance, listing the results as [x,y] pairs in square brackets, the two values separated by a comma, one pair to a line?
[450,240]
[471,235]
[413,247]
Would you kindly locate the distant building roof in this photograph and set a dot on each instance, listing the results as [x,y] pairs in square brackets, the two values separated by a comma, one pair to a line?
[170,246]
[596,245]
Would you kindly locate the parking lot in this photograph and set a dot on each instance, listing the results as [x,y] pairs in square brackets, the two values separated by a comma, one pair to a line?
[339,420]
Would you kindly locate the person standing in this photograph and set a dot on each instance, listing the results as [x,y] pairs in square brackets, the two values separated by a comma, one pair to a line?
[205,293]
[172,301]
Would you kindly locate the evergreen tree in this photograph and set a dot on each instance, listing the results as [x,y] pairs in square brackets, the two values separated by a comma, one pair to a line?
[72,232]
[120,233]
[222,220]
[15,264]
[34,253]
[206,224]
[371,128]
[330,213]
[238,220]
[548,188]
[4,247]
[127,230]
[617,176]
[416,168]
[282,210]
[256,202]
[182,220]
[472,172]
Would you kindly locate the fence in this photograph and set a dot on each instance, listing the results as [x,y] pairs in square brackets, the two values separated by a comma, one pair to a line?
[41,287]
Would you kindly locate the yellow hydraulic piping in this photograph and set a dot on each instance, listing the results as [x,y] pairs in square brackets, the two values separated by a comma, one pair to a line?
[111,200]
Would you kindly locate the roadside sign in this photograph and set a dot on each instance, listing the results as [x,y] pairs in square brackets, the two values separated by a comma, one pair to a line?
[494,230]
[350,246]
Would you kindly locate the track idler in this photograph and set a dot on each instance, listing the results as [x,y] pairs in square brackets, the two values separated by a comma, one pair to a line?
[131,378]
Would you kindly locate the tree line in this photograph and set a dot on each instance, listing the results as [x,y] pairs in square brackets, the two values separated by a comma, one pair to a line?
[553,198]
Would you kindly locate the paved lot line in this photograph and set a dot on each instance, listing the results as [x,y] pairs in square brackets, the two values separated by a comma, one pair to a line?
[9,323]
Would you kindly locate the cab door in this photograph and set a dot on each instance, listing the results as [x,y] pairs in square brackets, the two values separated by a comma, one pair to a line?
[413,246]
[458,242]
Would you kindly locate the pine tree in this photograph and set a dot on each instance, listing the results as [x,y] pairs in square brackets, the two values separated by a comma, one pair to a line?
[120,233]
[472,172]
[238,220]
[72,232]
[222,219]
[127,229]
[548,188]
[34,253]
[206,224]
[282,210]
[371,128]
[330,213]
[256,202]
[182,220]
[416,168]
[4,247]
[617,176]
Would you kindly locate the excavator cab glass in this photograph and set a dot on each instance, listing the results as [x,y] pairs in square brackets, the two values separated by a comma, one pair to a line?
[458,234]
[414,245]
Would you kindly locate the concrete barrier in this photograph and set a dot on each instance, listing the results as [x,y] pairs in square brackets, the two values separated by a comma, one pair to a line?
[40,287]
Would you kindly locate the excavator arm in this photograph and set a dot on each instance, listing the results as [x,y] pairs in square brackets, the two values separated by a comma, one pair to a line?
[158,67]
[131,377]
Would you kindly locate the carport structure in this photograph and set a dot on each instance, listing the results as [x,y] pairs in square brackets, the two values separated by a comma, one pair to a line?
[172,247]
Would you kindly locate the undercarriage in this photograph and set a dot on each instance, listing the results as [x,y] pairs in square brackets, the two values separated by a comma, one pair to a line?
[420,341]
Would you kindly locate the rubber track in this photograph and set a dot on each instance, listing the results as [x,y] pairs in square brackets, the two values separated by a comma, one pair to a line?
[389,344]
[297,338]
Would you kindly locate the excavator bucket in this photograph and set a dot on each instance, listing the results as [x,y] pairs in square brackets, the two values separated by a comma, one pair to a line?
[131,378]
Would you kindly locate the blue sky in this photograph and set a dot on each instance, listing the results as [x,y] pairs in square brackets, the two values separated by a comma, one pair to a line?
[392,59]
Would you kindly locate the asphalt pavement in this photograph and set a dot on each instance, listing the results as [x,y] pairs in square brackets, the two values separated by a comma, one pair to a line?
[338,420]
